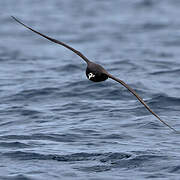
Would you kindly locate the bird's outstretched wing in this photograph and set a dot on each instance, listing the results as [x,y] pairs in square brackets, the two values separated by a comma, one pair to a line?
[54,40]
[140,99]
[109,75]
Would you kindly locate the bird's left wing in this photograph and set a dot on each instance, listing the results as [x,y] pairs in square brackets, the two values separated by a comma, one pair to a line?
[141,100]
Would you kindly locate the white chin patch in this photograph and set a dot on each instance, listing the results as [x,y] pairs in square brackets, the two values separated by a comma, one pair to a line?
[90,75]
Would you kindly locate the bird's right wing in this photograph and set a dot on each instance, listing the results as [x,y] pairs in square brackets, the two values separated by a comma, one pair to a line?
[53,40]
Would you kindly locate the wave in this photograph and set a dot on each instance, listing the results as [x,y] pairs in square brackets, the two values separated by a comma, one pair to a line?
[14,145]
[16,177]
[174,71]
[165,100]
[102,157]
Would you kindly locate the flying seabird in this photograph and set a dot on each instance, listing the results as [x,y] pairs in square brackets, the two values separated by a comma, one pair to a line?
[96,72]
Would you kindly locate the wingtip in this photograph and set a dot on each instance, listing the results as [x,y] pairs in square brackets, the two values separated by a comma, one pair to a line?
[14,18]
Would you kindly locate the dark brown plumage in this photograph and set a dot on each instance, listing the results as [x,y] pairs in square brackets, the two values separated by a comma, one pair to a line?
[97,73]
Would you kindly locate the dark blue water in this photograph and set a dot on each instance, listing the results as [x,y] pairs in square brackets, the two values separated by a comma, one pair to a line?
[55,124]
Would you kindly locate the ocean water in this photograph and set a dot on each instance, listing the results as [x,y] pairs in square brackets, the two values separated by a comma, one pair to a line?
[56,124]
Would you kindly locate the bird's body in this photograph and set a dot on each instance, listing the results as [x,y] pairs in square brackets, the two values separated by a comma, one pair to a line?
[96,72]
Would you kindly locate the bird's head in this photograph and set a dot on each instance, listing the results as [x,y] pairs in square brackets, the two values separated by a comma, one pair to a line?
[91,75]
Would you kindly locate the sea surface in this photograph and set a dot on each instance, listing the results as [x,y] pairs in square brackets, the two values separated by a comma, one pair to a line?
[56,124]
